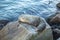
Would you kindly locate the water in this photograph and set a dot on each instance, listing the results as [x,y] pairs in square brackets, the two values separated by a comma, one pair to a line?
[11,9]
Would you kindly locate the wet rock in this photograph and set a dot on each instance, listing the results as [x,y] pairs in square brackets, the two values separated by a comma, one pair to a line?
[3,23]
[23,29]
[58,5]
[55,19]
[30,19]
[56,33]
[7,32]
[58,39]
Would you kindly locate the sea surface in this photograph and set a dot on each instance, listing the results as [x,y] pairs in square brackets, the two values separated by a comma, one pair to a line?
[12,9]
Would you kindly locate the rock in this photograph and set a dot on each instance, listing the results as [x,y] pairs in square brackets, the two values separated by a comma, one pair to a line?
[56,33]
[58,39]
[24,30]
[49,18]
[54,22]
[3,23]
[55,19]
[58,5]
[7,32]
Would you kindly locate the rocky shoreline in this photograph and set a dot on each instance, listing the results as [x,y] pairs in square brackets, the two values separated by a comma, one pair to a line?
[53,21]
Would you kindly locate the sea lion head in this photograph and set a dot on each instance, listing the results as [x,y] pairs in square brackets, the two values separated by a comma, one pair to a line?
[30,19]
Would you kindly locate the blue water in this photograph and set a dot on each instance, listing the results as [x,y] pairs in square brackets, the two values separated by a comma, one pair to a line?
[11,9]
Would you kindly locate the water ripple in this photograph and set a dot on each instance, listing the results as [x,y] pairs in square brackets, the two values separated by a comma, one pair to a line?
[11,9]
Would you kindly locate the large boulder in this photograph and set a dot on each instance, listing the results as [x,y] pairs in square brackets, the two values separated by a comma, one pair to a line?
[26,29]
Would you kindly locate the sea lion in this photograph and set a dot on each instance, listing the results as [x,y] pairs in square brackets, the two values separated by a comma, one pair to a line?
[25,25]
[33,20]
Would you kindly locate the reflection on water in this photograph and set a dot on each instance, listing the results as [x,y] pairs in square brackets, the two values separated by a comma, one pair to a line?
[11,9]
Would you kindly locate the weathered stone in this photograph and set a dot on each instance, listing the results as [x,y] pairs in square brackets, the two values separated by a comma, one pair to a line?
[21,30]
